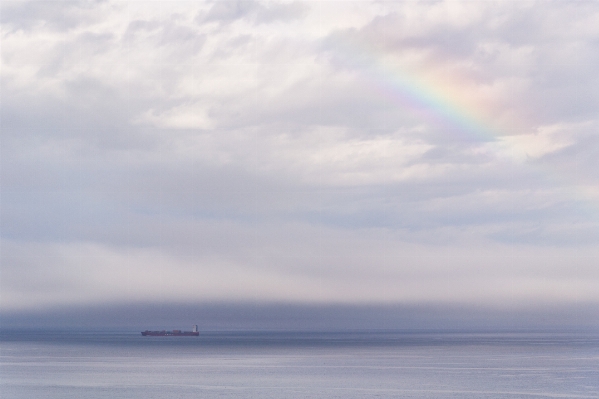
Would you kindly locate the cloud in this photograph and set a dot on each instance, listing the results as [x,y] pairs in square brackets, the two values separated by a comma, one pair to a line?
[306,152]
[230,11]
[189,116]
[281,269]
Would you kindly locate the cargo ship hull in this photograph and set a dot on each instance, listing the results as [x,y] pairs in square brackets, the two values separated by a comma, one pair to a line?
[174,333]
[170,333]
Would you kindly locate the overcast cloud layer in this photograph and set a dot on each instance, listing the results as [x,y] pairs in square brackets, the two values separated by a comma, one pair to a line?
[311,152]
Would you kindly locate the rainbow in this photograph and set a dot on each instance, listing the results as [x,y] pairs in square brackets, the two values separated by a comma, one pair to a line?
[451,103]
[436,98]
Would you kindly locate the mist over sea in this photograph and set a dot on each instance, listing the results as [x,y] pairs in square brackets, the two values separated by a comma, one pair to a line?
[87,364]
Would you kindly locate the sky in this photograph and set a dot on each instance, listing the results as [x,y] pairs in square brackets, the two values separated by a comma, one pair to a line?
[319,153]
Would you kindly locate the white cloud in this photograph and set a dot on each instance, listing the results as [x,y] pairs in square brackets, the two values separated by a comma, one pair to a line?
[189,116]
[546,140]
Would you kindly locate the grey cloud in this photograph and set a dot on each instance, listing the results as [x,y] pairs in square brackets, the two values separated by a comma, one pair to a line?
[565,93]
[83,115]
[229,11]
[214,153]
[56,15]
[389,33]
[574,233]
[584,153]
[176,42]
[76,199]
[282,12]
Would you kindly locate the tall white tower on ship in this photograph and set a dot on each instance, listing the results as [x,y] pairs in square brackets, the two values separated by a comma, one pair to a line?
[195,328]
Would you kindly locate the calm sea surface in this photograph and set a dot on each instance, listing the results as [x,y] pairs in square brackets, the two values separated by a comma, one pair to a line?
[299,365]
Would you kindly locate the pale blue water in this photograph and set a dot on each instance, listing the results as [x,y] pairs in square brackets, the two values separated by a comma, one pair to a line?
[299,365]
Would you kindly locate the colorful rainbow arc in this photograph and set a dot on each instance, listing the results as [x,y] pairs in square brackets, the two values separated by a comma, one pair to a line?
[417,94]
[439,104]
[432,99]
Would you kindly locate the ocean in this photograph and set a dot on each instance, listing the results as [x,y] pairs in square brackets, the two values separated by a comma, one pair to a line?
[85,364]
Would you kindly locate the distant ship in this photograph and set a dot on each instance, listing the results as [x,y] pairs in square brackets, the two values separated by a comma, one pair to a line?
[174,333]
